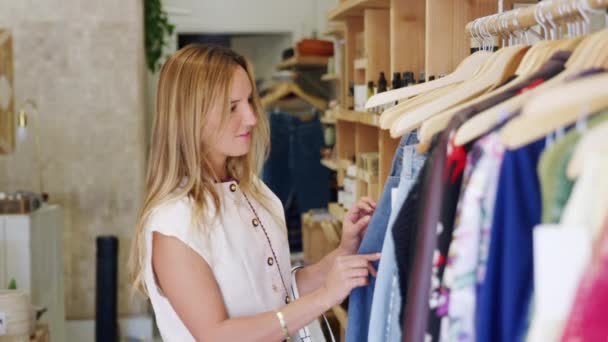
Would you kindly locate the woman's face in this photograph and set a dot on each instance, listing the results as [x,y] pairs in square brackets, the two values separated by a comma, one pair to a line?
[234,139]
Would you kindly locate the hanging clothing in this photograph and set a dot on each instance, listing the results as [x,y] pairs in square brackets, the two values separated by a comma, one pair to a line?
[384,325]
[555,185]
[293,170]
[587,320]
[438,299]
[504,296]
[360,300]
[470,241]
[589,201]
[440,218]
[405,230]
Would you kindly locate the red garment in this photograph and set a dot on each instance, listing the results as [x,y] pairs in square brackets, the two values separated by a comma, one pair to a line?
[587,321]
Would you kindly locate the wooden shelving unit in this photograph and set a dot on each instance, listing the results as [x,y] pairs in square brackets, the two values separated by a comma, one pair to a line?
[330,77]
[446,42]
[328,121]
[398,36]
[391,36]
[330,164]
[365,118]
[303,62]
[355,8]
[360,63]
[335,29]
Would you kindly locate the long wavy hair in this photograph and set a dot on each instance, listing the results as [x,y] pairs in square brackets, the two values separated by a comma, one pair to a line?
[194,81]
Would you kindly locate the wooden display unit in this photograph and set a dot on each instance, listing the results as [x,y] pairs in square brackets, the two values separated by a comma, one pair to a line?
[303,62]
[446,41]
[407,36]
[393,36]
[398,36]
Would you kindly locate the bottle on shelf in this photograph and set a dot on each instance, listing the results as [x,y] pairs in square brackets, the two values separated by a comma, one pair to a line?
[351,95]
[397,83]
[382,83]
[408,79]
[370,89]
[422,77]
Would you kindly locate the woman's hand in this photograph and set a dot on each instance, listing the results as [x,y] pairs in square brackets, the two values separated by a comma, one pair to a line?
[355,225]
[347,273]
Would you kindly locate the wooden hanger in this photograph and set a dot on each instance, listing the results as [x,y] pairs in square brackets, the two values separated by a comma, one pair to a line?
[389,116]
[501,69]
[288,88]
[465,70]
[592,142]
[534,59]
[555,109]
[579,61]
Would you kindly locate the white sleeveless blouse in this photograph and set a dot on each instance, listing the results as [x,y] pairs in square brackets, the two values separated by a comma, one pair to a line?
[236,250]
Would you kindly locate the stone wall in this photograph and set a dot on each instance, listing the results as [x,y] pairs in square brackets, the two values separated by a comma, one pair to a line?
[82,61]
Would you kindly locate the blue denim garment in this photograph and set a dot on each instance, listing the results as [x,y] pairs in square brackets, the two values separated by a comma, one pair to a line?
[360,301]
[293,170]
[384,325]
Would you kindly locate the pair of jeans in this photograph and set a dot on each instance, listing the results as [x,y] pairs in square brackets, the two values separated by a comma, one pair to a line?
[293,170]
[384,325]
[360,300]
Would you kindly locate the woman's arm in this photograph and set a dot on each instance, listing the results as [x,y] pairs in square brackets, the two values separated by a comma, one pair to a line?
[189,285]
[354,227]
[310,278]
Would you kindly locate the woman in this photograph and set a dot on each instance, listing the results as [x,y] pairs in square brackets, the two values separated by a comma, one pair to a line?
[211,248]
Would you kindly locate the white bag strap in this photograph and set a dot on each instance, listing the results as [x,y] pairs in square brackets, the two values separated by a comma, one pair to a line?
[304,333]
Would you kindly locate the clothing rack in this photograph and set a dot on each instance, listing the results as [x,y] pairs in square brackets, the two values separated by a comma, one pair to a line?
[435,39]
[545,14]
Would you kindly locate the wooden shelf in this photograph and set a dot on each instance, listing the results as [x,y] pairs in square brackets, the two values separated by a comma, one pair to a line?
[360,63]
[355,8]
[330,77]
[344,163]
[335,30]
[365,118]
[369,119]
[328,121]
[303,62]
[330,164]
[367,177]
[330,233]
[348,115]
[337,211]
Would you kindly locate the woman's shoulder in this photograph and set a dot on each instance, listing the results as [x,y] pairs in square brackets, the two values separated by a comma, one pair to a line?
[173,215]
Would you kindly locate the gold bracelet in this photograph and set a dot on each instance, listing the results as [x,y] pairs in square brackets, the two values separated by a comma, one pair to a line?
[283,325]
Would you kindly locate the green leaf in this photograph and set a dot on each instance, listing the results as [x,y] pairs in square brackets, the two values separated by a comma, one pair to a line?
[156,27]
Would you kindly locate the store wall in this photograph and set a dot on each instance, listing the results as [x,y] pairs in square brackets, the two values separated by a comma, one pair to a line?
[263,50]
[82,62]
[297,17]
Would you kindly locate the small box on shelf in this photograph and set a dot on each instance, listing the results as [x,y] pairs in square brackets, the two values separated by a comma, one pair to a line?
[350,185]
[368,162]
[351,171]
[318,239]
[337,211]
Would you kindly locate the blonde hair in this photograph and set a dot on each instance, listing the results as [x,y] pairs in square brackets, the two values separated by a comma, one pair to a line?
[194,81]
